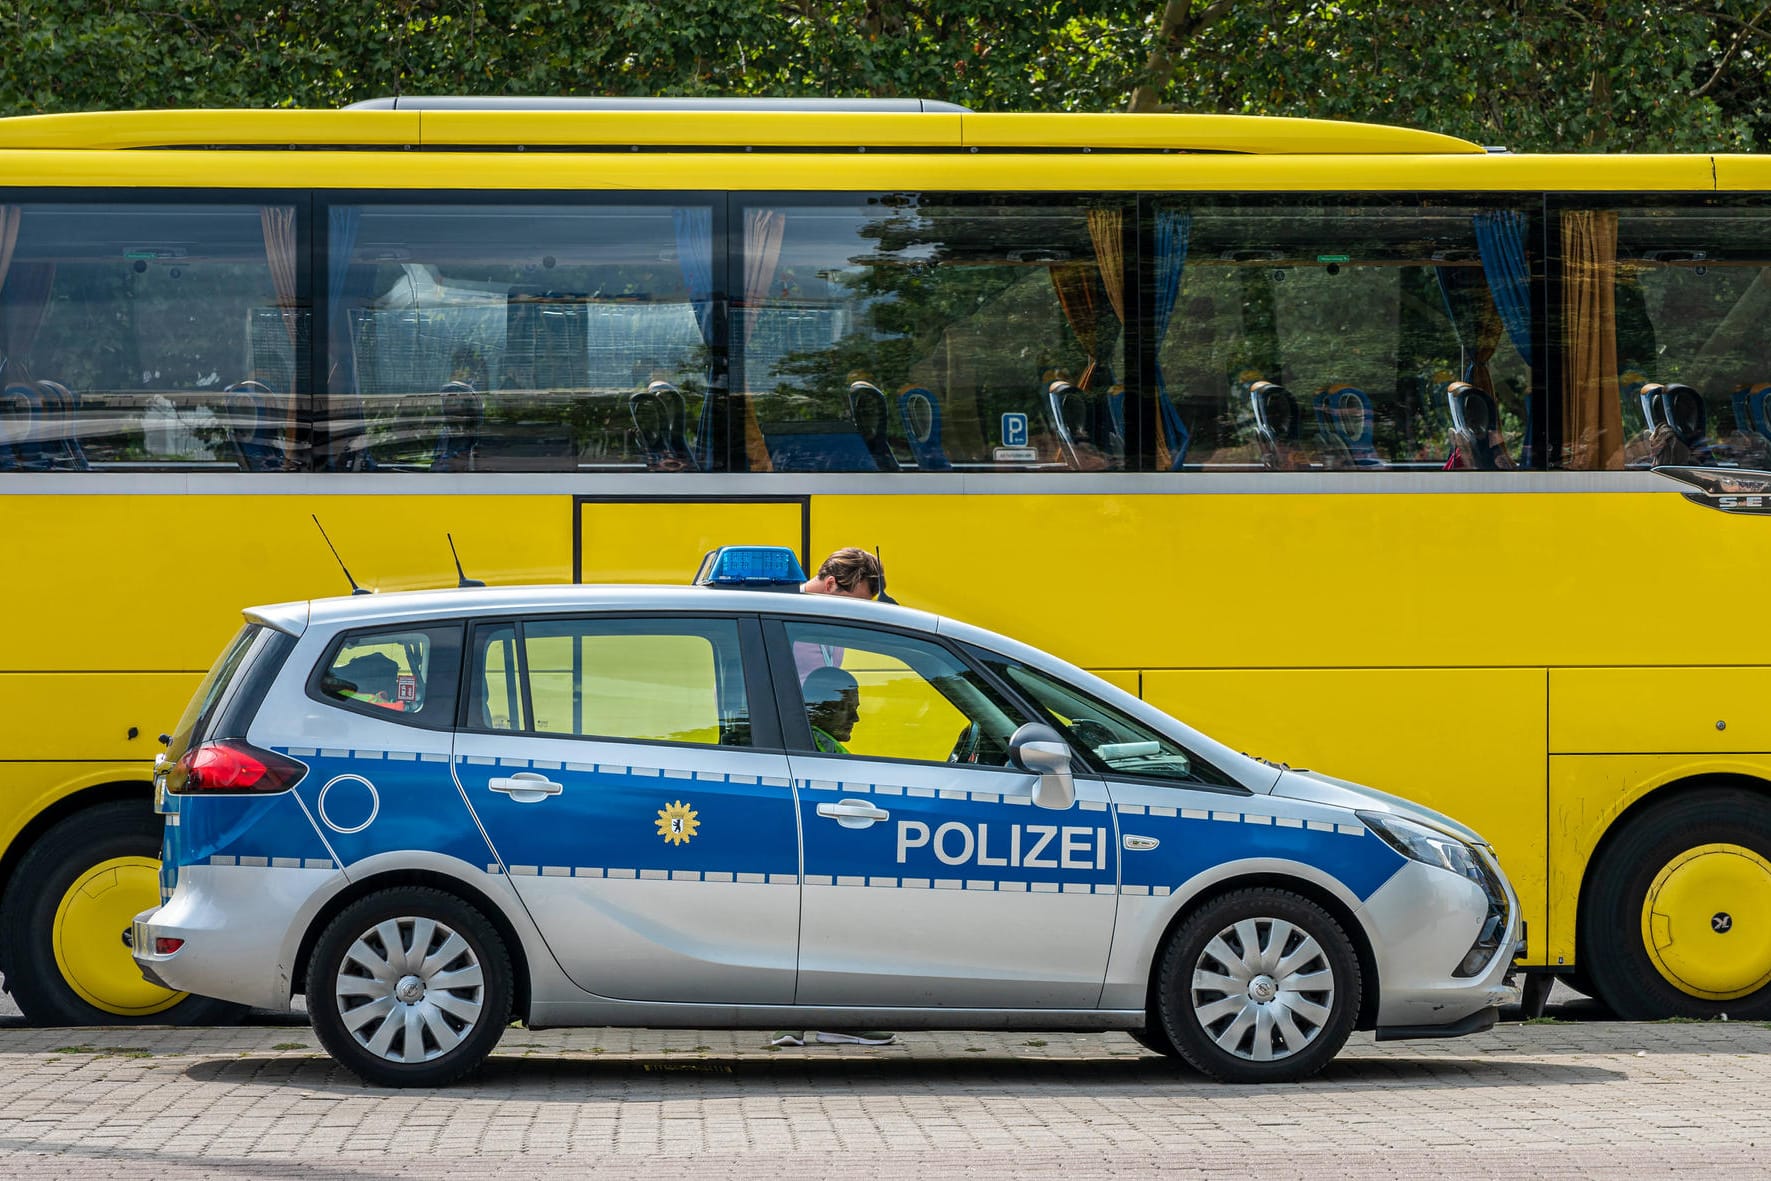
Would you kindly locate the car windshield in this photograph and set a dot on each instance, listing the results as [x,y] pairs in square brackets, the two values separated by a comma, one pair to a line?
[1117,743]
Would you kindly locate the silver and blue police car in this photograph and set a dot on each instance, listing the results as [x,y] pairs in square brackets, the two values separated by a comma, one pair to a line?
[431,813]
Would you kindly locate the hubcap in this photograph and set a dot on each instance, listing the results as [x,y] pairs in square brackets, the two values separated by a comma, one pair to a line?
[410,990]
[94,961]
[1263,989]
[1706,922]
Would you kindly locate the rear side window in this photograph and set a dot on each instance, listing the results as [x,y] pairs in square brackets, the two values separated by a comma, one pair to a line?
[401,674]
[644,680]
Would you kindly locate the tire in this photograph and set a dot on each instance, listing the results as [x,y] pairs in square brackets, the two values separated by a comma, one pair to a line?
[1259,986]
[1676,920]
[409,987]
[66,914]
[1154,1039]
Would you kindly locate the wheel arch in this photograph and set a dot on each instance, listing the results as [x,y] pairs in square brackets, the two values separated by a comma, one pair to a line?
[1304,888]
[60,809]
[1659,797]
[476,898]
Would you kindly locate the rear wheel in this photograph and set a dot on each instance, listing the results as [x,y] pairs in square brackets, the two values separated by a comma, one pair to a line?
[410,987]
[66,917]
[1259,986]
[1677,916]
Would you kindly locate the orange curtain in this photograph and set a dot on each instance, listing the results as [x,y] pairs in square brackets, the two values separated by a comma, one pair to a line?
[1592,419]
[763,231]
[279,251]
[1074,283]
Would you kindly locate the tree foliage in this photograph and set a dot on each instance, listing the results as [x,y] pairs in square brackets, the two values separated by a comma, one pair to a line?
[1566,75]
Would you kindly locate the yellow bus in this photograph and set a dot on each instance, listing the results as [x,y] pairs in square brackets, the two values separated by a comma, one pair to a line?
[1335,440]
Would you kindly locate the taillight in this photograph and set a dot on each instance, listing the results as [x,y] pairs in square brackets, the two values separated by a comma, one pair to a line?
[232,765]
[165,946]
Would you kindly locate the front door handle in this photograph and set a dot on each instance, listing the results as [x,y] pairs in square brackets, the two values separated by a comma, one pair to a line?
[526,787]
[853,813]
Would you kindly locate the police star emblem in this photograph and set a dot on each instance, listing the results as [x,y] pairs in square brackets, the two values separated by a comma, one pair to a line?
[676,823]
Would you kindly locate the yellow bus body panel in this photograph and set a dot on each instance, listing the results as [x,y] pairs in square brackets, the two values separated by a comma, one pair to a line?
[1652,710]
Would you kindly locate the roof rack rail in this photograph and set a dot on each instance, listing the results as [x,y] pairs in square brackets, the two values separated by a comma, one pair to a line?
[469,102]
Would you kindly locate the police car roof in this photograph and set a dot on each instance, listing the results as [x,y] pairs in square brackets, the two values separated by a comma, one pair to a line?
[349,610]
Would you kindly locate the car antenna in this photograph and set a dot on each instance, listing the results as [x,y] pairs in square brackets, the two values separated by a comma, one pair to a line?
[882,596]
[462,580]
[355,589]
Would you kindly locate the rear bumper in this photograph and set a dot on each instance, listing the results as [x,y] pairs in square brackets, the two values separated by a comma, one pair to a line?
[238,925]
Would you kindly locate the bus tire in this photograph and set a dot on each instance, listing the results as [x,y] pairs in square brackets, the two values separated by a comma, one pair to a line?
[410,987]
[1231,1014]
[1677,920]
[65,916]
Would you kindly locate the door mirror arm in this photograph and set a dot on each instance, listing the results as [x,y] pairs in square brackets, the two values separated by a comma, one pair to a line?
[1042,751]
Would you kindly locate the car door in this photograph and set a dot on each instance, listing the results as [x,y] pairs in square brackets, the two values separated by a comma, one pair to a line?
[639,800]
[931,878]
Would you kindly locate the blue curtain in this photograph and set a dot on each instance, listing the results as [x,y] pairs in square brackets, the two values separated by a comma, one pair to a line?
[341,244]
[1173,229]
[694,255]
[1500,239]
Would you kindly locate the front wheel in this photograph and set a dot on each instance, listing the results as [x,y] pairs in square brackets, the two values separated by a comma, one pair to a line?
[410,987]
[1676,920]
[65,920]
[1259,986]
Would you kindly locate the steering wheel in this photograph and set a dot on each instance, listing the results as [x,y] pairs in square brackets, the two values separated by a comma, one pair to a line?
[1092,732]
[965,749]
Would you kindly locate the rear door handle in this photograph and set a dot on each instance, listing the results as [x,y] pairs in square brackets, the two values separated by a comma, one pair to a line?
[526,787]
[853,813]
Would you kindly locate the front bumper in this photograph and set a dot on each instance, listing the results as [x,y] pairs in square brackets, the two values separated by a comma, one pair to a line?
[1423,923]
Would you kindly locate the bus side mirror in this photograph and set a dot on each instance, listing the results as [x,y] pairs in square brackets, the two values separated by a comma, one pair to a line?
[1041,750]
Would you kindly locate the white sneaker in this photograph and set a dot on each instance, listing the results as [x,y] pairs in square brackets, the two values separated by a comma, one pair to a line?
[858,1037]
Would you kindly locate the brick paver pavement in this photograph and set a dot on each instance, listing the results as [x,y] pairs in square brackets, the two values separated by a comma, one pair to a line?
[1588,1099]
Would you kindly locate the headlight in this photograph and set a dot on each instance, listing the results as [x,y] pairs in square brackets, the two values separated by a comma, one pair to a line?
[1417,842]
[1430,846]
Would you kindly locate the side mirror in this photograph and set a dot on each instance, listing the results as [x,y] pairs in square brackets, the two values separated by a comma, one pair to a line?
[1038,748]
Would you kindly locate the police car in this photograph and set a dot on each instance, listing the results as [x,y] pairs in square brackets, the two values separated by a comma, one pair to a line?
[432,813]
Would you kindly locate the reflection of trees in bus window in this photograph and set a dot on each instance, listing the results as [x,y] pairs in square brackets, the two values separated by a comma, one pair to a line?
[1376,307]
[973,301]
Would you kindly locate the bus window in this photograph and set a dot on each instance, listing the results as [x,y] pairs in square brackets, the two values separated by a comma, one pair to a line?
[1353,334]
[869,328]
[147,335]
[513,337]
[1662,329]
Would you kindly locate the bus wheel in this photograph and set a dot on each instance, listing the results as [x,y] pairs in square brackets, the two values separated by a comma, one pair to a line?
[1259,986]
[67,913]
[1677,921]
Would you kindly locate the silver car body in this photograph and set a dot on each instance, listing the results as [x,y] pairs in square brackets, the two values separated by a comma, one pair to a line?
[802,920]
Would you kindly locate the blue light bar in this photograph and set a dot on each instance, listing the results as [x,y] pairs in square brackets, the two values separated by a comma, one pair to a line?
[751,567]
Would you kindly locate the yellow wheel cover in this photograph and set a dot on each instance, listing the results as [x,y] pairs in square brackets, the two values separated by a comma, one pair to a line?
[89,925]
[1706,922]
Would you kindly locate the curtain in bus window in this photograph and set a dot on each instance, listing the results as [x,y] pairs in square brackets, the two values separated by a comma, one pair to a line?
[1592,424]
[1470,307]
[1172,232]
[694,253]
[347,428]
[763,231]
[279,251]
[24,297]
[1500,240]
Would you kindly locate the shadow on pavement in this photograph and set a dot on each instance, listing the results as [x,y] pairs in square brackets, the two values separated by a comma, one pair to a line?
[573,1079]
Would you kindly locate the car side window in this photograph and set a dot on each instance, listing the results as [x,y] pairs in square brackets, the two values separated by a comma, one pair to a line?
[1113,742]
[882,695]
[405,674]
[652,680]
